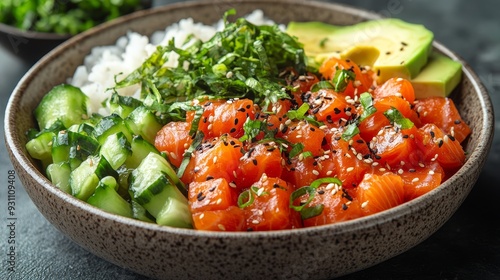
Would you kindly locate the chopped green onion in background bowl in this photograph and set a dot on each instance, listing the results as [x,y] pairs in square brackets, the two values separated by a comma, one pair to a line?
[31,28]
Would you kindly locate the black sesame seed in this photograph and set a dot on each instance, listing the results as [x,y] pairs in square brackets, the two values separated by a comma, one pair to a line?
[248,106]
[411,170]
[337,110]
[432,134]
[457,121]
[242,110]
[321,192]
[441,142]
[344,206]
[210,178]
[254,161]
[232,130]
[360,141]
[236,121]
[451,137]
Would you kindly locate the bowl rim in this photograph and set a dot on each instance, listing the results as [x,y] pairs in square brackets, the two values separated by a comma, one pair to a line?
[11,140]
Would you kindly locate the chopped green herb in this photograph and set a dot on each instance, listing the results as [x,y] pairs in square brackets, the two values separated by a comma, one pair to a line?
[322,85]
[350,131]
[366,101]
[397,119]
[341,79]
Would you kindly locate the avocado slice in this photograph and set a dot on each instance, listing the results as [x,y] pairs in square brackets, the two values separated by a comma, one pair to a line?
[392,47]
[438,78]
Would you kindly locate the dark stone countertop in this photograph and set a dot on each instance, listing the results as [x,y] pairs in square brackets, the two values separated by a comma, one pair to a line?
[466,247]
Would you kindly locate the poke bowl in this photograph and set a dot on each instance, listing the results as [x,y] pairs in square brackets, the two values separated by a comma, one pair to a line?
[165,252]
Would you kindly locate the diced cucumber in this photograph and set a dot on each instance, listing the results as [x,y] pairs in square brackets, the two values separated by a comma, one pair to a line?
[140,213]
[85,178]
[110,125]
[116,149]
[81,147]
[58,174]
[41,147]
[152,187]
[123,175]
[123,105]
[144,123]
[60,147]
[140,149]
[86,129]
[106,198]
[64,102]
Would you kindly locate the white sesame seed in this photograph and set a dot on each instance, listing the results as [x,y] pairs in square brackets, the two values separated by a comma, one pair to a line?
[402,162]
[421,164]
[315,172]
[211,119]
[329,186]
[210,127]
[232,185]
[329,172]
[431,172]
[349,169]
[415,180]
[399,79]
[221,227]
[288,122]
[219,201]
[359,156]
[374,163]
[363,205]
[202,215]
[381,169]
[173,155]
[400,171]
[255,222]
[214,160]
[260,212]
[348,155]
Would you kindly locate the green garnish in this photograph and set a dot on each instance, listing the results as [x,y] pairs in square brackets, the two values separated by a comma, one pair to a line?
[296,150]
[366,101]
[322,85]
[397,119]
[318,182]
[298,114]
[198,138]
[63,17]
[342,78]
[350,131]
[246,198]
[300,192]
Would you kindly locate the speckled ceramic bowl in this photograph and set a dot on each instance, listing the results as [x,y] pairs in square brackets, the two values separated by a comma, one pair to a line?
[163,252]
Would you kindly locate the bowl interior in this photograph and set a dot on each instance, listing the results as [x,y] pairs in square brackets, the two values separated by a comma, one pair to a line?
[365,242]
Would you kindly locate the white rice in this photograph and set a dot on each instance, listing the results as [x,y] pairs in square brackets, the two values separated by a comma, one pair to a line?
[104,63]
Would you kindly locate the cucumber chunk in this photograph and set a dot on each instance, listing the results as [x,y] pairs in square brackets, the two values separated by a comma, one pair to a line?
[41,147]
[81,147]
[152,187]
[123,105]
[140,149]
[60,147]
[106,198]
[116,149]
[85,178]
[58,174]
[110,125]
[144,123]
[64,102]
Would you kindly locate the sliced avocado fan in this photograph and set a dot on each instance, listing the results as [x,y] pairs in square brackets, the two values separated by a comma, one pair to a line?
[392,47]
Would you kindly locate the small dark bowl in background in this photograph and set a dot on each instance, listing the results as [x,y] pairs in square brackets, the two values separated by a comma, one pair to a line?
[30,46]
